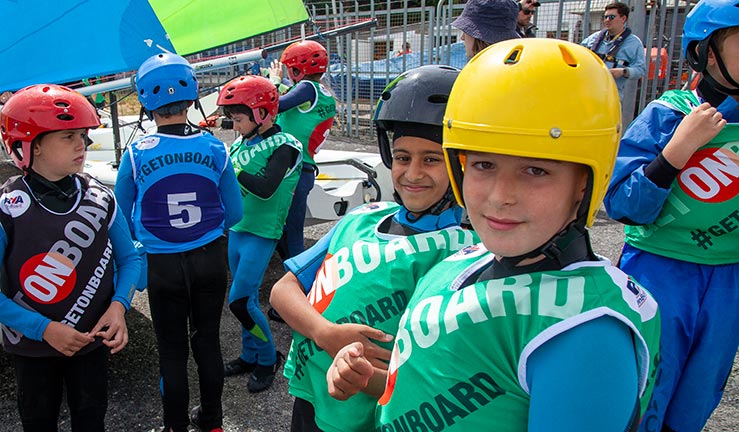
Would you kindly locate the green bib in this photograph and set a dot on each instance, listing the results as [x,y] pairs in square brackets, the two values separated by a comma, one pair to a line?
[459,360]
[367,278]
[310,122]
[265,217]
[699,222]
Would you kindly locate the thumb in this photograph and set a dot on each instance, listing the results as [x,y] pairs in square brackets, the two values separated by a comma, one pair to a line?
[355,349]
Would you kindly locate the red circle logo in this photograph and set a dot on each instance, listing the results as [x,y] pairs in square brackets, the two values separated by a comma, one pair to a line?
[48,278]
[711,175]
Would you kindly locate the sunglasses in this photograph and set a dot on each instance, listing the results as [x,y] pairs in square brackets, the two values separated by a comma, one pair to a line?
[609,17]
[528,12]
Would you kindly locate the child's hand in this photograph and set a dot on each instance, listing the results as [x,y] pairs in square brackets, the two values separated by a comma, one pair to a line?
[349,373]
[696,130]
[337,336]
[65,339]
[112,327]
[275,72]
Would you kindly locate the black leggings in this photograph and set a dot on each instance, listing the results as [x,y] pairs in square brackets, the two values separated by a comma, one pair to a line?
[40,382]
[186,294]
[304,417]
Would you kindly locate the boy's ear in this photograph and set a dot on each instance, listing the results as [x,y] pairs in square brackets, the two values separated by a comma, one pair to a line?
[711,56]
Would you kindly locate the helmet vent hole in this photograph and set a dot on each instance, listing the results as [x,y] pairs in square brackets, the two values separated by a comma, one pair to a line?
[61,104]
[567,56]
[183,83]
[514,56]
[156,90]
[385,95]
[65,117]
[438,99]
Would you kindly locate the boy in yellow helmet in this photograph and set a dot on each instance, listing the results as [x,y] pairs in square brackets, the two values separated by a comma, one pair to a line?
[530,330]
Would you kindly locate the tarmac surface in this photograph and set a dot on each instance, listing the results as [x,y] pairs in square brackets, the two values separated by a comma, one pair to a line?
[134,403]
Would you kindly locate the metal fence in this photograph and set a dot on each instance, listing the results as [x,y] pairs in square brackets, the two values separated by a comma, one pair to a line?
[371,42]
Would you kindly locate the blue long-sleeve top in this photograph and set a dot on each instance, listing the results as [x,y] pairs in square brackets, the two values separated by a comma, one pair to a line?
[301,93]
[642,177]
[630,56]
[32,324]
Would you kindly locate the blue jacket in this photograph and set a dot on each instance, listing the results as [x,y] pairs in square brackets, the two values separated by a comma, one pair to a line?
[631,194]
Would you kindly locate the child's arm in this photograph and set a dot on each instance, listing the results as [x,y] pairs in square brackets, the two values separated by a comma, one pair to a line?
[230,195]
[127,260]
[111,326]
[281,161]
[697,129]
[301,93]
[35,326]
[642,176]
[125,189]
[30,323]
[584,379]
[306,264]
[288,298]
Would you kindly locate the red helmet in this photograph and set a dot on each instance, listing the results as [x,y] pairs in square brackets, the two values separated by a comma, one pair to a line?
[304,58]
[253,91]
[41,108]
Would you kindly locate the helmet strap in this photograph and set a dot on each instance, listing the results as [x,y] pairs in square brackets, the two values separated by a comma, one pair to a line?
[570,245]
[383,142]
[435,209]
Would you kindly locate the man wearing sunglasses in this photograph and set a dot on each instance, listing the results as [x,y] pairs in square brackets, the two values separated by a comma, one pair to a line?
[526,10]
[620,49]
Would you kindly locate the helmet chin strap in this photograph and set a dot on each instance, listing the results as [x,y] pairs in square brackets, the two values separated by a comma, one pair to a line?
[435,209]
[253,132]
[570,245]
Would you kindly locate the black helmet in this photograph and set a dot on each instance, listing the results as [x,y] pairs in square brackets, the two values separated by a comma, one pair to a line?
[417,97]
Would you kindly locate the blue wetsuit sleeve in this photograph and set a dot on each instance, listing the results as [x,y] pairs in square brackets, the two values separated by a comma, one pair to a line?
[584,379]
[31,324]
[127,261]
[632,197]
[301,93]
[125,189]
[305,265]
[230,195]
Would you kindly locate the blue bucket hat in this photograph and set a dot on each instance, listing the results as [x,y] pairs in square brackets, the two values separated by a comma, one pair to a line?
[490,21]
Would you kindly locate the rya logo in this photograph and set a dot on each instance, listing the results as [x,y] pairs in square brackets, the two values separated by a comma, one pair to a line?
[15,203]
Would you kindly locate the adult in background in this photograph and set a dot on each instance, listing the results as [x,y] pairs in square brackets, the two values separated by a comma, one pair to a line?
[526,10]
[618,47]
[485,22]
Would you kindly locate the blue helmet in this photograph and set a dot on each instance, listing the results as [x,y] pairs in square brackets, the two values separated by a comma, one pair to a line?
[163,79]
[705,18]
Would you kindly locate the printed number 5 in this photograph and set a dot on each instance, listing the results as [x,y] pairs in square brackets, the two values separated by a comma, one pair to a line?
[177,208]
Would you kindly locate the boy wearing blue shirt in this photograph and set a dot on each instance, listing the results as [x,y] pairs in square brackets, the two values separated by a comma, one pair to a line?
[179,192]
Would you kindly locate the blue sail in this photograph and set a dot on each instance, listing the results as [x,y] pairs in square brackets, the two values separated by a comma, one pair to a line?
[62,41]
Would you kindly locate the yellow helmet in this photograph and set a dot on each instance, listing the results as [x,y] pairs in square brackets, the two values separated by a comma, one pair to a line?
[538,98]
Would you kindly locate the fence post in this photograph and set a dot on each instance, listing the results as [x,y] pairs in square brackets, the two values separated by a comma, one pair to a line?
[636,23]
